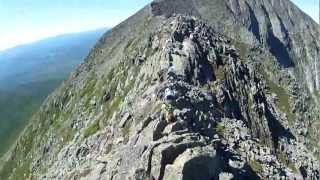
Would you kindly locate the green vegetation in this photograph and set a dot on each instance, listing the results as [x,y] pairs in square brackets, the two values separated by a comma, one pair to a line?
[90,130]
[292,167]
[219,73]
[21,171]
[61,124]
[119,77]
[66,134]
[19,166]
[61,109]
[35,135]
[220,129]
[89,87]
[13,108]
[114,105]
[313,139]
[31,75]
[283,102]
[284,159]
[242,49]
[256,166]
[132,43]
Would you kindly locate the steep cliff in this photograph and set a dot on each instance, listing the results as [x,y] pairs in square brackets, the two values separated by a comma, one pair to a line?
[181,90]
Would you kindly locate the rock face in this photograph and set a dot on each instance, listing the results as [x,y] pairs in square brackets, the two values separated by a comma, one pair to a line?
[290,35]
[230,117]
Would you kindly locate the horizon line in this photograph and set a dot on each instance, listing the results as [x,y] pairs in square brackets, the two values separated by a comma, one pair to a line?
[51,36]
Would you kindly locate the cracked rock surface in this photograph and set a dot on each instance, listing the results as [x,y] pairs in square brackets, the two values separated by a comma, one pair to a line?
[107,120]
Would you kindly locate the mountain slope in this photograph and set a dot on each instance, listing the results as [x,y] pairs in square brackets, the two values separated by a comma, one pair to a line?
[281,29]
[169,96]
[29,73]
[279,25]
[43,59]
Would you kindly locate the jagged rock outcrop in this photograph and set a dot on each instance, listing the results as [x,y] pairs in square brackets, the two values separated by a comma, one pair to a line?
[228,117]
[290,35]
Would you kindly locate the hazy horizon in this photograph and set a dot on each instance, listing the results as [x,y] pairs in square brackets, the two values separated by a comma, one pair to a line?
[53,37]
[28,21]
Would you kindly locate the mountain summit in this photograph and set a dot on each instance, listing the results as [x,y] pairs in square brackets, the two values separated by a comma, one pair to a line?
[278,25]
[185,89]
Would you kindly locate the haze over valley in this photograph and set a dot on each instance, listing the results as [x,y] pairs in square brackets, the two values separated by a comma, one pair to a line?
[28,73]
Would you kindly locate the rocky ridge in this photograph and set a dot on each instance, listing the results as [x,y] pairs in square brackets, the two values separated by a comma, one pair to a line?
[290,43]
[201,136]
[229,119]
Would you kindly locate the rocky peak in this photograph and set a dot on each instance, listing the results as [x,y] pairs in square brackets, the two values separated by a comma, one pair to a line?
[172,97]
[278,25]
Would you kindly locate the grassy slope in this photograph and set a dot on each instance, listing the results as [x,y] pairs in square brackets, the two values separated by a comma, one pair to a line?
[17,105]
[29,73]
[54,120]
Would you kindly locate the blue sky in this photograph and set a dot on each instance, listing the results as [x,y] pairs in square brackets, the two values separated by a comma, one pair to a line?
[311,7]
[24,21]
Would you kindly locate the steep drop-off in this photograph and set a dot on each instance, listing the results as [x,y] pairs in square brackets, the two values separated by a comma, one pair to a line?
[168,95]
[29,73]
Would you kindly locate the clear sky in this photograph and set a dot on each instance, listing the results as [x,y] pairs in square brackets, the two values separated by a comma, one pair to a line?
[24,21]
[311,7]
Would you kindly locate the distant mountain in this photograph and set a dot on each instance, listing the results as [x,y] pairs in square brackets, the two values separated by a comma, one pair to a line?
[51,58]
[185,90]
[30,72]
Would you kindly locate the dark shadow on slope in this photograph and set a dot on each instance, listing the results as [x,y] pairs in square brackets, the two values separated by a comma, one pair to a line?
[232,109]
[206,70]
[303,171]
[279,50]
[245,173]
[283,28]
[209,168]
[276,128]
[254,24]
[202,168]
